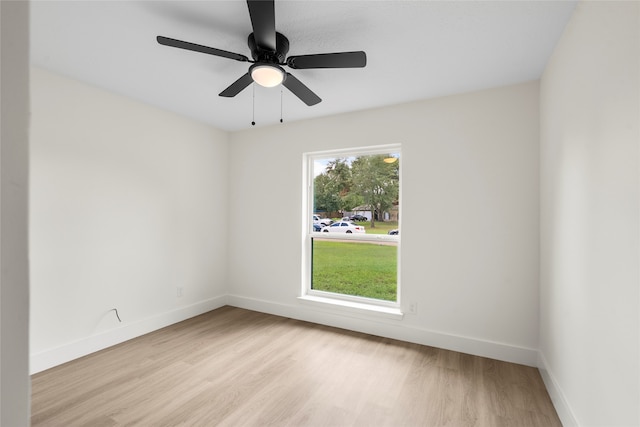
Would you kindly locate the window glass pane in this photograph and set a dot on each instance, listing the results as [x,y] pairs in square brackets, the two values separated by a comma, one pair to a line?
[356,188]
[360,193]
[363,269]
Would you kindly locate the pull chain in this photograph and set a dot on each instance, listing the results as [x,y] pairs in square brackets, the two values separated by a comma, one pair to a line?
[253,121]
[253,106]
[280,104]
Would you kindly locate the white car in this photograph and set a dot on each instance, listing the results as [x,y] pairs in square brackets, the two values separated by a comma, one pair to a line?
[343,227]
[322,221]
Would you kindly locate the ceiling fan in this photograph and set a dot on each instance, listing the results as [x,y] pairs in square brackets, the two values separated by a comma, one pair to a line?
[268,50]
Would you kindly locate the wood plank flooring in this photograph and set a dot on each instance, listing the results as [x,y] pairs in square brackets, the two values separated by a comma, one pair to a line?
[233,367]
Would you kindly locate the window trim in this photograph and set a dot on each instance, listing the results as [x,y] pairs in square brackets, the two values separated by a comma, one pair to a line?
[351,302]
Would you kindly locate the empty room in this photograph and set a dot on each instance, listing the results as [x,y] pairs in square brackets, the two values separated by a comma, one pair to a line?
[305,213]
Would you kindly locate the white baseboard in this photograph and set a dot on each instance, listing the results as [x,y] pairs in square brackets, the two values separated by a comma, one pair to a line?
[369,324]
[380,326]
[56,356]
[558,398]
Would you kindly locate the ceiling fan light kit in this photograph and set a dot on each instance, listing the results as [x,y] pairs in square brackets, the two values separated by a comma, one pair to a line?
[268,50]
[267,75]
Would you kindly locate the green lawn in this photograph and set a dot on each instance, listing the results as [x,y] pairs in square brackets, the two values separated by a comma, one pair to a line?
[356,268]
[380,228]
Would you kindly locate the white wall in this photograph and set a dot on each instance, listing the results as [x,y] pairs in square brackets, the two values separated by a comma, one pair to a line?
[590,217]
[128,203]
[14,166]
[469,218]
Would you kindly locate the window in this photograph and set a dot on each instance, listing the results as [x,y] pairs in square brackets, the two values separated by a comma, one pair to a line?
[352,231]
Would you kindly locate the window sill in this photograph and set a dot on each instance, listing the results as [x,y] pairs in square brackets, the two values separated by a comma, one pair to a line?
[353,307]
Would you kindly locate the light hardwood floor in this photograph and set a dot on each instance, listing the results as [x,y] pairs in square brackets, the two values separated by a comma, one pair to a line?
[237,367]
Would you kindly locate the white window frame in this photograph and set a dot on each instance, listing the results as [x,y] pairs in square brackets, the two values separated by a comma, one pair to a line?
[391,308]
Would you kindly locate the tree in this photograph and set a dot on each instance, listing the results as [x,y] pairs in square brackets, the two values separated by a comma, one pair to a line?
[332,186]
[326,199]
[376,181]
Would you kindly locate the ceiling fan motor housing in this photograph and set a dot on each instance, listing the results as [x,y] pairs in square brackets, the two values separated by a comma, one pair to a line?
[269,56]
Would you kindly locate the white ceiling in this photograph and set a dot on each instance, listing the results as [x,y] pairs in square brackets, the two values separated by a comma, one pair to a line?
[415,50]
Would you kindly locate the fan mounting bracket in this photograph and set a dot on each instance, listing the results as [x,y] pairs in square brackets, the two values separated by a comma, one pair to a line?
[269,56]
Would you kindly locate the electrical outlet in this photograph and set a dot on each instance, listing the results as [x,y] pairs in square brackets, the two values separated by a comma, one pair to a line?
[178,291]
[413,307]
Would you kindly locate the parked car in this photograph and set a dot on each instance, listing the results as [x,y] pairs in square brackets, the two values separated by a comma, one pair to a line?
[322,221]
[394,232]
[317,226]
[343,227]
[358,217]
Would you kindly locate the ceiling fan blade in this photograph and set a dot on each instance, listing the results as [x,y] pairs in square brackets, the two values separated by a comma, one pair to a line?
[329,60]
[263,20]
[199,48]
[300,90]
[237,86]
